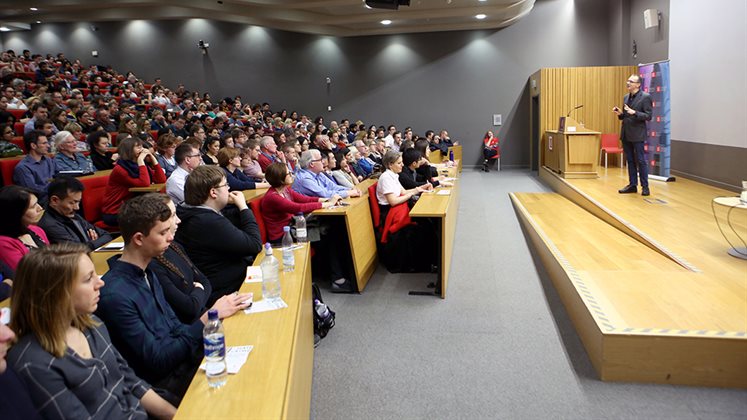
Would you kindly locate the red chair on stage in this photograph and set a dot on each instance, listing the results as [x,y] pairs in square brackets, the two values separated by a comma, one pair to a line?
[610,144]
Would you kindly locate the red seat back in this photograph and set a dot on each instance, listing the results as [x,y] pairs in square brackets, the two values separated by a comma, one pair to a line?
[609,141]
[19,128]
[18,141]
[93,196]
[7,165]
[255,205]
[18,113]
[375,213]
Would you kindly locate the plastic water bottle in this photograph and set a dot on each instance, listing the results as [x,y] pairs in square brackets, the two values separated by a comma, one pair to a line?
[289,262]
[301,233]
[215,351]
[270,275]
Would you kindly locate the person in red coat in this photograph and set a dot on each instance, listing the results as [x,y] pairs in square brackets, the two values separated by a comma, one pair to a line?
[280,202]
[490,150]
[136,167]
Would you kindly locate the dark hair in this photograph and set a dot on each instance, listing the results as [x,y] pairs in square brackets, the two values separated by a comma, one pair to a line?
[14,201]
[182,151]
[421,146]
[93,138]
[141,213]
[41,122]
[126,148]
[275,174]
[429,133]
[199,183]
[165,141]
[410,155]
[32,137]
[61,186]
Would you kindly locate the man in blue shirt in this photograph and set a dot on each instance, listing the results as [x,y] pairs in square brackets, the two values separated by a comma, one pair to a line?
[311,181]
[36,169]
[40,112]
[142,325]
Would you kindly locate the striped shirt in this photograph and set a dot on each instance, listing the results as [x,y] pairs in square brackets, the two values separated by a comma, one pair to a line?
[72,387]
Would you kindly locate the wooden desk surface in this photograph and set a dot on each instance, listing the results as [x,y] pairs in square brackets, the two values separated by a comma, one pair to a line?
[251,195]
[149,188]
[275,382]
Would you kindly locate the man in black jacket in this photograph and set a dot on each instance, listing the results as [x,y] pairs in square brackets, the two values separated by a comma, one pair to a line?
[62,222]
[637,109]
[219,248]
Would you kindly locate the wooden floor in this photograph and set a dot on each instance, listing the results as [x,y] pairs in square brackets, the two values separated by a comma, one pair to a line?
[647,281]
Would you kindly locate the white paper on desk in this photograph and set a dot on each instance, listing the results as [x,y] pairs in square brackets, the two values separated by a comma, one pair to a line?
[253,274]
[235,358]
[112,246]
[443,192]
[265,305]
[449,179]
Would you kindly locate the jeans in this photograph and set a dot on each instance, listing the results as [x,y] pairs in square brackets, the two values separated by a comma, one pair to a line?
[636,158]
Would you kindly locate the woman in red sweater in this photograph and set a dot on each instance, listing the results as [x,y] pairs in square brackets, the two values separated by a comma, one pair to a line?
[280,202]
[136,167]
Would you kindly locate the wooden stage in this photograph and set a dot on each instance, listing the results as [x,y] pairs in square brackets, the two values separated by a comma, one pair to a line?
[647,281]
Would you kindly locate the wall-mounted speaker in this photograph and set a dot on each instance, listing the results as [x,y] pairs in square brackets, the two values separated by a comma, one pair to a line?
[651,18]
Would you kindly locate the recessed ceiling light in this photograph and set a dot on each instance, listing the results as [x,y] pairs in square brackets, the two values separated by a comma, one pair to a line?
[33,9]
[386,22]
[481,16]
[38,21]
[4,28]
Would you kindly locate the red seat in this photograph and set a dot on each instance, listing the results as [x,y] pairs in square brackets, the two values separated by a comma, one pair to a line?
[154,134]
[93,197]
[7,165]
[255,205]
[374,203]
[610,144]
[18,113]
[18,141]
[19,128]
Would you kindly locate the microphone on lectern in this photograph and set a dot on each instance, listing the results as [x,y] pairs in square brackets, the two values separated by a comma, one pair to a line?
[577,107]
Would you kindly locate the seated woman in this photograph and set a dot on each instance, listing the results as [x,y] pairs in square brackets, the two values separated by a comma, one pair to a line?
[8,149]
[99,143]
[427,171]
[19,213]
[63,353]
[230,160]
[136,167]
[397,254]
[249,163]
[281,203]
[185,287]
[210,151]
[342,173]
[490,150]
[166,147]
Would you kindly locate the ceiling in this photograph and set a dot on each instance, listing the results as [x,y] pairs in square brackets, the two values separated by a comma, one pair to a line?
[325,17]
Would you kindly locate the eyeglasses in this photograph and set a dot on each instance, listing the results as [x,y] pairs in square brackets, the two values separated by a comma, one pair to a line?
[632,81]
[317,160]
[221,186]
[197,155]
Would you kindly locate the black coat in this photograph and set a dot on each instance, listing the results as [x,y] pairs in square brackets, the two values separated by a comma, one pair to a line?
[219,248]
[634,126]
[60,229]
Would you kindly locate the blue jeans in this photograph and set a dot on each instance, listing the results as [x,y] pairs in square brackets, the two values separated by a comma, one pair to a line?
[636,162]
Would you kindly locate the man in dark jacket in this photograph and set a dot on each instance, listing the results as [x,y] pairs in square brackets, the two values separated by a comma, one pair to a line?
[62,222]
[219,248]
[637,109]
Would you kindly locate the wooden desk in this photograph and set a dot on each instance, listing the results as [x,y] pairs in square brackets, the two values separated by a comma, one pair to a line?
[443,209]
[437,157]
[360,233]
[149,188]
[275,382]
[251,195]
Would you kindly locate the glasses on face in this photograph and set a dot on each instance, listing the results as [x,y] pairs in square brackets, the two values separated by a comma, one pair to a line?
[632,81]
[197,155]
[221,186]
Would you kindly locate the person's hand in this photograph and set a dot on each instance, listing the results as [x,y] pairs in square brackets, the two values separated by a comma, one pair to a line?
[456,143]
[446,184]
[617,111]
[335,198]
[92,234]
[115,156]
[427,186]
[230,304]
[355,192]
[141,157]
[9,282]
[629,110]
[237,198]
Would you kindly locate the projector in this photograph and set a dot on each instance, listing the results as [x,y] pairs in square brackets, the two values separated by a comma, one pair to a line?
[387,4]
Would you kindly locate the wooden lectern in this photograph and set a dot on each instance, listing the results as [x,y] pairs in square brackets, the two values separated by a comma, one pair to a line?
[572,150]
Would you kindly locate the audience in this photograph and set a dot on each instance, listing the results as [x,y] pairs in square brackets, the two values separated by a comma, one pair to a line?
[187,158]
[101,157]
[218,248]
[136,167]
[15,399]
[67,160]
[143,327]
[8,149]
[64,353]
[19,213]
[312,182]
[268,152]
[230,160]
[166,146]
[210,153]
[342,173]
[249,164]
[62,222]
[36,169]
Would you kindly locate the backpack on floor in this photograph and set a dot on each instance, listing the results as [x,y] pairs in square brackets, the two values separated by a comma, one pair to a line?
[324,316]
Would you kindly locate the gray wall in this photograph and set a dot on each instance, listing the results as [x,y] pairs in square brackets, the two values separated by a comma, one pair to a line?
[653,44]
[453,80]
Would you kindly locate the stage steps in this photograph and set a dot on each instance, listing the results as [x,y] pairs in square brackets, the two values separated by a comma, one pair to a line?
[642,315]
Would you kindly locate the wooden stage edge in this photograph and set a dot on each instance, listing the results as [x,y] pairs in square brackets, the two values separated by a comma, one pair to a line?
[627,353]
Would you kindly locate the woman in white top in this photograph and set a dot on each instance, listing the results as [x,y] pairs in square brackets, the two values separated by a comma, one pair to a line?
[389,191]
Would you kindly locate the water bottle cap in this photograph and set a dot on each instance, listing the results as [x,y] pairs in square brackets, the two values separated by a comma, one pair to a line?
[286,229]
[268,249]
[213,314]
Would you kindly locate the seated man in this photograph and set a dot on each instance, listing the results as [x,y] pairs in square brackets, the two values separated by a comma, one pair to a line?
[61,221]
[36,169]
[268,152]
[312,182]
[143,327]
[187,159]
[67,159]
[220,249]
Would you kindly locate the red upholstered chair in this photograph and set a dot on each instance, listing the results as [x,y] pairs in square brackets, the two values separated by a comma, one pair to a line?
[93,197]
[7,165]
[18,113]
[375,212]
[19,128]
[610,144]
[254,204]
[18,141]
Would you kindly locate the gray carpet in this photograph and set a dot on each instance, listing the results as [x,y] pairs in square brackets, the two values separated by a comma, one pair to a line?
[499,346]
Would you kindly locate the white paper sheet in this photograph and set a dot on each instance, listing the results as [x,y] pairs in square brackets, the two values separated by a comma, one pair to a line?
[235,358]
[265,305]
